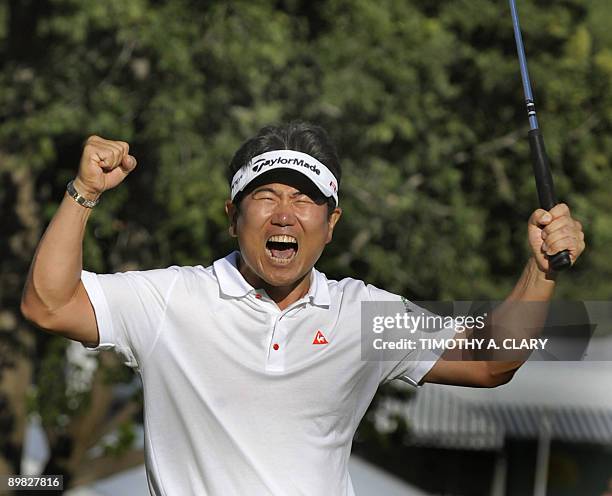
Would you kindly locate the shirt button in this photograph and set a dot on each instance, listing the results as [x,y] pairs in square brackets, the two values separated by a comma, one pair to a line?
[275,346]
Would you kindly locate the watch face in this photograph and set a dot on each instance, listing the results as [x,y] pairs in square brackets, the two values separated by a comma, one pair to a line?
[81,200]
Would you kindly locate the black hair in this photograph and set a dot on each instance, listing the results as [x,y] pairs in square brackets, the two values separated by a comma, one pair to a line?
[300,136]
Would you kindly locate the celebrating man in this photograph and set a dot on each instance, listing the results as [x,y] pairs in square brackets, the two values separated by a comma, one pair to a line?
[254,382]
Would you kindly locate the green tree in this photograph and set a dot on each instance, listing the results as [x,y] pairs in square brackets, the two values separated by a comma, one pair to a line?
[422,97]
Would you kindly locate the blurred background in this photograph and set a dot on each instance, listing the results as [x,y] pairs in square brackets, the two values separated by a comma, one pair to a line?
[424,101]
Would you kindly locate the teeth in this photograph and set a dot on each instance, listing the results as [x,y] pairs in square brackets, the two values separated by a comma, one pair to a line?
[280,260]
[282,238]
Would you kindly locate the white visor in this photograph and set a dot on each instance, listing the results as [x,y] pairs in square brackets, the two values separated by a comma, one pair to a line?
[314,170]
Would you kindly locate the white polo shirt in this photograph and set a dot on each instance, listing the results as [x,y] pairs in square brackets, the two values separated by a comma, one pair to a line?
[241,398]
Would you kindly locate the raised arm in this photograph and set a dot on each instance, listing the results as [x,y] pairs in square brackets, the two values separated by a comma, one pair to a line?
[548,233]
[54,297]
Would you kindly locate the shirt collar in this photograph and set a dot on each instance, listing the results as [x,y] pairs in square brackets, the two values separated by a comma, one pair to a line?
[233,284]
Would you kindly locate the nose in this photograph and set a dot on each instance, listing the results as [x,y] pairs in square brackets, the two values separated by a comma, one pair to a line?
[283,215]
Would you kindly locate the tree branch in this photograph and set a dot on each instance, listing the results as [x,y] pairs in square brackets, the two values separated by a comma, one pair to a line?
[88,470]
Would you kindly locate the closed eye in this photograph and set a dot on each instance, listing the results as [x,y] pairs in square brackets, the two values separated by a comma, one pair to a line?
[264,195]
[302,198]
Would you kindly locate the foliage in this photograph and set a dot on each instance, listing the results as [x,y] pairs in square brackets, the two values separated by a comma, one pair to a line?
[422,97]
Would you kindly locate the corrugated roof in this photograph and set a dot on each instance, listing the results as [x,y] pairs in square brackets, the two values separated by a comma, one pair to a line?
[438,418]
[573,424]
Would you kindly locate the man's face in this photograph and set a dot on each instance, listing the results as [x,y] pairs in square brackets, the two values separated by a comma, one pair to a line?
[281,230]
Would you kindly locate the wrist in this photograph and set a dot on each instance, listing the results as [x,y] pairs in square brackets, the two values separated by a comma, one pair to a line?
[83,196]
[84,191]
[539,274]
[534,284]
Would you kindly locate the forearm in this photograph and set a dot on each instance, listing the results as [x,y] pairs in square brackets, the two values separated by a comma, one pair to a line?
[533,285]
[55,271]
[522,315]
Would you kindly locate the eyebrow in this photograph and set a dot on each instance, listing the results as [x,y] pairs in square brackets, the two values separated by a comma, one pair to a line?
[264,188]
[274,191]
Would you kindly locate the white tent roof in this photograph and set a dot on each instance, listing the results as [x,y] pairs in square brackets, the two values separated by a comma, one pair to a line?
[574,397]
[368,480]
[573,384]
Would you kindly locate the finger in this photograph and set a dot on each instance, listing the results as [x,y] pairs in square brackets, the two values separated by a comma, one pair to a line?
[125,147]
[540,217]
[92,139]
[559,223]
[564,232]
[128,164]
[112,153]
[103,157]
[560,210]
[117,152]
[97,140]
[578,228]
[567,243]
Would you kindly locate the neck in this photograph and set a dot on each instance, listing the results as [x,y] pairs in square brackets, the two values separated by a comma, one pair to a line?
[283,296]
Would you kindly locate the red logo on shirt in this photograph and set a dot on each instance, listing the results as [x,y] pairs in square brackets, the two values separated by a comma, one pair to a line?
[319,338]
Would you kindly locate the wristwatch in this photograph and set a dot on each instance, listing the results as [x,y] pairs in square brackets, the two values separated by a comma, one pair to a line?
[80,199]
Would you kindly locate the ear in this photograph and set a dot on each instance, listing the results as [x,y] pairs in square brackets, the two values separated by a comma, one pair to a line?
[232,215]
[334,217]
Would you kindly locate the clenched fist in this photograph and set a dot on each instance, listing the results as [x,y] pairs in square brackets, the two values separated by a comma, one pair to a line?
[554,231]
[104,164]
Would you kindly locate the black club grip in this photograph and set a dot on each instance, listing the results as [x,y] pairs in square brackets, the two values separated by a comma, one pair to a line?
[546,190]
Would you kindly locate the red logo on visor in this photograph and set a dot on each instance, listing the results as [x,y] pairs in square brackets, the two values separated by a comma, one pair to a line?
[319,339]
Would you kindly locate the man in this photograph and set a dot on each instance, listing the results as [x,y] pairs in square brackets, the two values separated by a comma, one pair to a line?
[253,378]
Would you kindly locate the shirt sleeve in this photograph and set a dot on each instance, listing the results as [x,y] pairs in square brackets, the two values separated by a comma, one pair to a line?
[130,309]
[409,365]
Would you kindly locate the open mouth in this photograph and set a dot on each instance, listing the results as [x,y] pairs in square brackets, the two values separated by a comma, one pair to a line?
[281,248]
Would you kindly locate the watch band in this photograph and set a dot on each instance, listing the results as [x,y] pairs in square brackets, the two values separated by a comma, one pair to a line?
[80,199]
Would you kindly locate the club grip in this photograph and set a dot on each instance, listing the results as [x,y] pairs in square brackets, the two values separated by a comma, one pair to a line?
[546,189]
